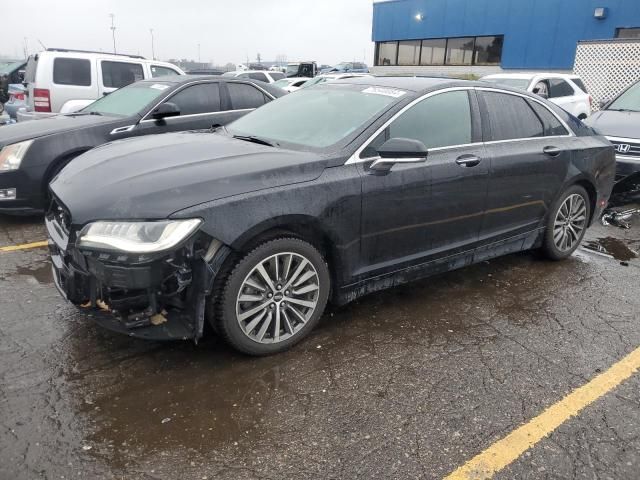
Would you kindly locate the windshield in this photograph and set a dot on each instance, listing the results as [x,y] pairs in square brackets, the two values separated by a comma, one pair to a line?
[129,100]
[314,81]
[629,100]
[316,117]
[283,83]
[5,68]
[521,83]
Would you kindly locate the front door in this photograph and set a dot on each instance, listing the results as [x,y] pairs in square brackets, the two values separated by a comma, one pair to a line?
[419,212]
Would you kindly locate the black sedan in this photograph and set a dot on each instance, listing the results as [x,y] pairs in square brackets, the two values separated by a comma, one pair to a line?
[326,195]
[32,153]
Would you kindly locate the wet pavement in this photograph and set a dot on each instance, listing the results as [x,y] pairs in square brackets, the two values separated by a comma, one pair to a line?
[408,383]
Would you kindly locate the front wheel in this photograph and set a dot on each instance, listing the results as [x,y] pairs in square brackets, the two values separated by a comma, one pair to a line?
[567,223]
[273,297]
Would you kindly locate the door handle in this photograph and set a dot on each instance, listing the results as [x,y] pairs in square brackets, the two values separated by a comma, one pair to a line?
[468,160]
[551,151]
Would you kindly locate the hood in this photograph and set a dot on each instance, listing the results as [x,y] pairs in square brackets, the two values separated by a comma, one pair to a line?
[21,131]
[615,124]
[154,176]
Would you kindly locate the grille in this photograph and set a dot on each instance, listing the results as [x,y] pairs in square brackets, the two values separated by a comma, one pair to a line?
[60,215]
[626,149]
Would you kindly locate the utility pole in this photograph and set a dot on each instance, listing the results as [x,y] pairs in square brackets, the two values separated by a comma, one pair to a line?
[153,50]
[113,31]
[199,61]
[26,48]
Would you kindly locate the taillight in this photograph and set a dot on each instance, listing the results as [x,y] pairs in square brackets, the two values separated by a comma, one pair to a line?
[16,96]
[41,100]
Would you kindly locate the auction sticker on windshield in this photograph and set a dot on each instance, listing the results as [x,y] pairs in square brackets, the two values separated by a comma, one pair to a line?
[389,92]
[159,86]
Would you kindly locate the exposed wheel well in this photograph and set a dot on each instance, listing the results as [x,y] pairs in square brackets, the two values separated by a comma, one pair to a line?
[593,196]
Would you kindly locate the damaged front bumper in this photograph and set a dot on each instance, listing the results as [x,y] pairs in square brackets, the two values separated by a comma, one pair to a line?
[155,297]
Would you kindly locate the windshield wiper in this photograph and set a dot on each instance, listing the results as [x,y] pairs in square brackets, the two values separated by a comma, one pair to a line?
[78,114]
[251,138]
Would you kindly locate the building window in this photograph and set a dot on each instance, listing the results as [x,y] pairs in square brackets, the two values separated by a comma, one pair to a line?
[485,50]
[409,52]
[433,52]
[387,53]
[460,51]
[628,32]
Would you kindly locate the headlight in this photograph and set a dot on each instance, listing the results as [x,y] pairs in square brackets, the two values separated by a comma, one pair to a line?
[137,237]
[11,156]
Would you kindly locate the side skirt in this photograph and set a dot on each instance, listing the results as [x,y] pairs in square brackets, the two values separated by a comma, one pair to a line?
[525,241]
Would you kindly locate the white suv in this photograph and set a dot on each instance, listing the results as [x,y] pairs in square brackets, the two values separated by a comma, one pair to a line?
[63,81]
[566,91]
[265,76]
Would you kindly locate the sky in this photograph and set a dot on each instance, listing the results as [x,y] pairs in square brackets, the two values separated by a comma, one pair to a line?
[327,31]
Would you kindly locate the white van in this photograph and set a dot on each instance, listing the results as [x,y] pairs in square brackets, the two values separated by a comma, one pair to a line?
[64,81]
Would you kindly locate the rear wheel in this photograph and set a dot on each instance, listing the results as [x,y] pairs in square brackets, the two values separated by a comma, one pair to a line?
[567,223]
[273,297]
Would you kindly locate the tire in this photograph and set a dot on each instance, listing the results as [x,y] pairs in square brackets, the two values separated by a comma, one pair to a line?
[249,307]
[567,223]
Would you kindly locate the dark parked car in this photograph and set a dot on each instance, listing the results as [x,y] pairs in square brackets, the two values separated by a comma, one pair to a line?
[334,192]
[32,153]
[619,121]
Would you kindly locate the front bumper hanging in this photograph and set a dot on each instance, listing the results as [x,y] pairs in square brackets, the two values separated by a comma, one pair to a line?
[160,298]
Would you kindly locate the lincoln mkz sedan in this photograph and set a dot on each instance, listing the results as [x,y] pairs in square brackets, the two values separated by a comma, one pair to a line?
[326,195]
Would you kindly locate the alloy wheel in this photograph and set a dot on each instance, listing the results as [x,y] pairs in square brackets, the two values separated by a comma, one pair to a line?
[570,222]
[277,298]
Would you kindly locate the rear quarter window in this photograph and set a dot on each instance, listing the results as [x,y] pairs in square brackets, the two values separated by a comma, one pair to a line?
[120,74]
[72,71]
[580,84]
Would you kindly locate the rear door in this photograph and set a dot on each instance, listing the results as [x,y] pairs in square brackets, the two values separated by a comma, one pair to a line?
[420,212]
[114,75]
[530,151]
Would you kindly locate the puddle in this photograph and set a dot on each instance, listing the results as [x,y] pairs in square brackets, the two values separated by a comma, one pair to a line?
[41,274]
[613,247]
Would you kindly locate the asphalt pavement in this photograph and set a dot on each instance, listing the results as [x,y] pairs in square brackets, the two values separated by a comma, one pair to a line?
[413,382]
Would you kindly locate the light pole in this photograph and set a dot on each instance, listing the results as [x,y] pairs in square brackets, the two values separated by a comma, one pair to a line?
[199,61]
[113,31]
[153,50]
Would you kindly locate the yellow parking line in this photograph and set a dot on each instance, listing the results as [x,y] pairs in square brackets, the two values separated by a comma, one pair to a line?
[24,246]
[509,449]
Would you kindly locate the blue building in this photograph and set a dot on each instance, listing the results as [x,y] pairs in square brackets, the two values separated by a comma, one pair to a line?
[489,35]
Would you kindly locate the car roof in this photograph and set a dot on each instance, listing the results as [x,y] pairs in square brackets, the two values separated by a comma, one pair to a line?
[415,84]
[530,75]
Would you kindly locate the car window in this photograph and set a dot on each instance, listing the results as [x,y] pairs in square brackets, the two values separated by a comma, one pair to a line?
[72,71]
[120,74]
[259,76]
[200,98]
[129,100]
[157,71]
[511,117]
[552,125]
[277,75]
[580,84]
[559,88]
[439,121]
[628,100]
[245,96]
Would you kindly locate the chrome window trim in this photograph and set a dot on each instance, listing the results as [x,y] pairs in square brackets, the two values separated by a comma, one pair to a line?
[192,115]
[355,158]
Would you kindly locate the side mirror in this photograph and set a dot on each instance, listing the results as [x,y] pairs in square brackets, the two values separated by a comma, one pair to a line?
[603,104]
[164,110]
[399,150]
